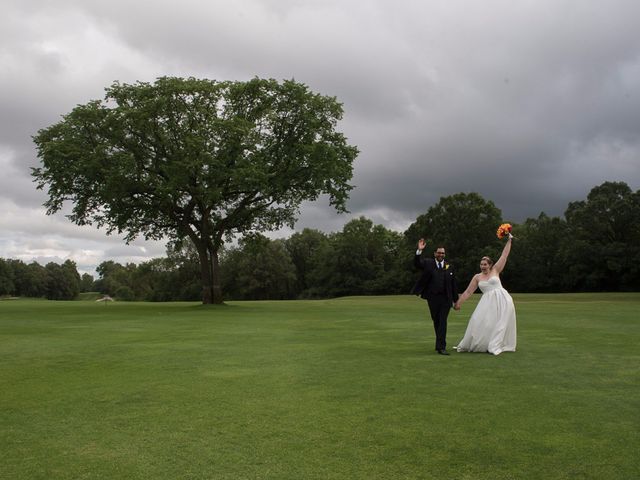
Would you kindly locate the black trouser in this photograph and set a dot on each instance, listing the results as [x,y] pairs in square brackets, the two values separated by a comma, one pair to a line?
[439,306]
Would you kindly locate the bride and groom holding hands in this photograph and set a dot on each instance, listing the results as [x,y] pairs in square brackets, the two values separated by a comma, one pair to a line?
[492,326]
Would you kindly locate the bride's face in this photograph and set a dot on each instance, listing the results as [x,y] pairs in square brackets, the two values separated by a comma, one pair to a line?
[484,266]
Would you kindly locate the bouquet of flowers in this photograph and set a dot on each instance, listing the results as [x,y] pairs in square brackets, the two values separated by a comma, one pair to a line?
[504,230]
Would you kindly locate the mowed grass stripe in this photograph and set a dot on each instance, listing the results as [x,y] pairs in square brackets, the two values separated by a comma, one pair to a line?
[343,388]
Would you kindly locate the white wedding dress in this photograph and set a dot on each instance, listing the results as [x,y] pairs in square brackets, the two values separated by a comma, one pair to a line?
[492,326]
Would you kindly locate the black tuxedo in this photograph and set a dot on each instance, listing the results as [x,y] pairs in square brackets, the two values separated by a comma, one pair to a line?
[439,288]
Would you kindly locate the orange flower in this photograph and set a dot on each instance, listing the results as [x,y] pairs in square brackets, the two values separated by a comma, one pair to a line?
[503,230]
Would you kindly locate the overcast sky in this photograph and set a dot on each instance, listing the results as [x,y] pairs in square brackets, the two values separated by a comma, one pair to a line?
[530,103]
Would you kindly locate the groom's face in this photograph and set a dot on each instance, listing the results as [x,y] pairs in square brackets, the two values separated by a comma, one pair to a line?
[439,254]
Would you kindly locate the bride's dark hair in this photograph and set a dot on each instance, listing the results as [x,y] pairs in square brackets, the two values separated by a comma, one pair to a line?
[488,259]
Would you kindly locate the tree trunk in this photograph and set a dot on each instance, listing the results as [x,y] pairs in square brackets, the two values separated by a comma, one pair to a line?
[215,277]
[209,270]
[205,274]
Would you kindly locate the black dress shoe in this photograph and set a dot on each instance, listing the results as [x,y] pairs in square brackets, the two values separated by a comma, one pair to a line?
[443,352]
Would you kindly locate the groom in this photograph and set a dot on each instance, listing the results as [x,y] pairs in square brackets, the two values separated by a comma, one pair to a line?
[437,285]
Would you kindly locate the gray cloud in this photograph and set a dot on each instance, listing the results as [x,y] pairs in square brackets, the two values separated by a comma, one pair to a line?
[529,104]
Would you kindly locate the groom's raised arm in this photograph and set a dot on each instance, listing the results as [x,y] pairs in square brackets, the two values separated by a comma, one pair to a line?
[417,259]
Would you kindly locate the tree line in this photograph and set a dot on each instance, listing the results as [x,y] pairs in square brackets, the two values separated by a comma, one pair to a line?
[595,247]
[52,281]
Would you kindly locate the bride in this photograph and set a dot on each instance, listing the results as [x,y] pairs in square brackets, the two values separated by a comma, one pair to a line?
[492,326]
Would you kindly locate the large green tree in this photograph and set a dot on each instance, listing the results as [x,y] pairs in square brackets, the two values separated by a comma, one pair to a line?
[363,259]
[536,263]
[198,159]
[31,280]
[602,251]
[262,269]
[7,286]
[303,248]
[63,281]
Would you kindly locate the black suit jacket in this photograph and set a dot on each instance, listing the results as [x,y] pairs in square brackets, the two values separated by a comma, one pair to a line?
[428,267]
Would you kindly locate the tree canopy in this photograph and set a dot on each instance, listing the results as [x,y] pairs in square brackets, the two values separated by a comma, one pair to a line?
[604,233]
[197,159]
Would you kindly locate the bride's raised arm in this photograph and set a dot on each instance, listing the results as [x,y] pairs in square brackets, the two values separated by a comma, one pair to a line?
[499,265]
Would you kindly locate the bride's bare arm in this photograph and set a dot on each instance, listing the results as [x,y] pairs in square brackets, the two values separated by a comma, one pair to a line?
[502,261]
[473,286]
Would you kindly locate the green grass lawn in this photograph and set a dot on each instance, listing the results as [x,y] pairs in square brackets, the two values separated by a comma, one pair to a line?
[339,389]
